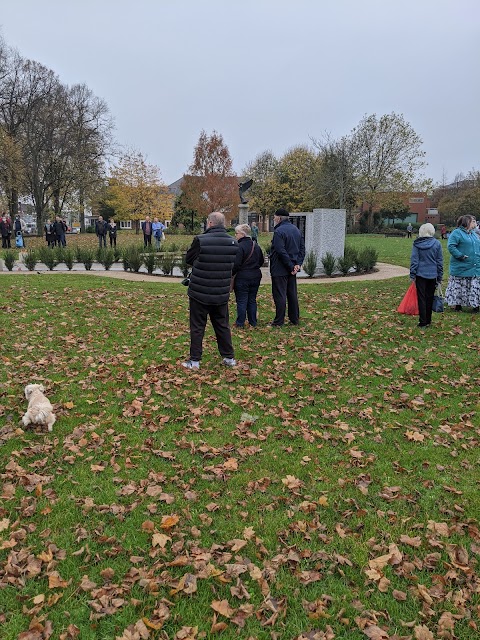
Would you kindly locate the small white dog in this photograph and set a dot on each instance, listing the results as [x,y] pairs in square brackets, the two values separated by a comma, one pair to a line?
[39,411]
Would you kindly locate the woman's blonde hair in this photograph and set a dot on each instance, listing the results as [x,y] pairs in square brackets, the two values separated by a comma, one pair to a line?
[426,231]
[245,229]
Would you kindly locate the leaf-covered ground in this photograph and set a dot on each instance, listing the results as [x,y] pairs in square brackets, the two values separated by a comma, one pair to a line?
[326,488]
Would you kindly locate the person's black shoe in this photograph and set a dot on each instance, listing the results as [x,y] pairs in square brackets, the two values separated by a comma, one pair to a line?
[458,307]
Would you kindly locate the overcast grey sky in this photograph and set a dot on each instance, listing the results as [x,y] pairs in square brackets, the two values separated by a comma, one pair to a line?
[266,74]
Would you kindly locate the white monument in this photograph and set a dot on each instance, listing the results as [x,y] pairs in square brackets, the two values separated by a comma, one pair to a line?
[324,231]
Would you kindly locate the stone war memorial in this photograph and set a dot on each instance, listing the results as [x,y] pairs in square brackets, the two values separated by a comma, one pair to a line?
[323,231]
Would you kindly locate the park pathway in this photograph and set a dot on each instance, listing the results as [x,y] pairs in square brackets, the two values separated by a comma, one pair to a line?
[384,272]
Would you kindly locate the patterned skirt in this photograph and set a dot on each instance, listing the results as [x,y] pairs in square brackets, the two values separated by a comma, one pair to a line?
[463,291]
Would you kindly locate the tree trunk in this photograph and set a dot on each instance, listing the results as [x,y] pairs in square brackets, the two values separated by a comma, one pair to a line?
[81,204]
[13,203]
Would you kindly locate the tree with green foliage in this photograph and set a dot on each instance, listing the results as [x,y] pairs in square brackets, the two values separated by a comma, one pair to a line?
[387,156]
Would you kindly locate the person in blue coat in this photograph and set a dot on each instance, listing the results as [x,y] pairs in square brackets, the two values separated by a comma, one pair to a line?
[463,287]
[426,270]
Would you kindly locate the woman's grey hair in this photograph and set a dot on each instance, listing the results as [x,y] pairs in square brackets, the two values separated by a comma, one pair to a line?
[426,231]
[245,229]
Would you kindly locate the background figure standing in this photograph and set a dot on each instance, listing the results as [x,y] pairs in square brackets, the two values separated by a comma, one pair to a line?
[426,270]
[49,233]
[101,231]
[254,232]
[157,229]
[147,232]
[286,259]
[463,287]
[246,270]
[112,232]
[5,231]
[59,229]
[211,255]
[409,230]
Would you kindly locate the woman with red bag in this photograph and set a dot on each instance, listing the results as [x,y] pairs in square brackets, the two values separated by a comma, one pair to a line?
[426,270]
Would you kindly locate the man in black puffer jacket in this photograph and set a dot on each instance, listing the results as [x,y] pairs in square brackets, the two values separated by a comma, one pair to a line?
[211,255]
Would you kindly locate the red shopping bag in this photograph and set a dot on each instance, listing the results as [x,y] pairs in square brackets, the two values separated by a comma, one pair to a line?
[409,304]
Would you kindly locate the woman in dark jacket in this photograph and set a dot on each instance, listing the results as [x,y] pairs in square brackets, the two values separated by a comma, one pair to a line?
[246,270]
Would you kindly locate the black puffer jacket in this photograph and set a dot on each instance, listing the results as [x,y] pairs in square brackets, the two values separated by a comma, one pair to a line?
[211,255]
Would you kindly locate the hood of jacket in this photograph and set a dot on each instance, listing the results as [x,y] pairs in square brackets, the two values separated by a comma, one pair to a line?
[424,243]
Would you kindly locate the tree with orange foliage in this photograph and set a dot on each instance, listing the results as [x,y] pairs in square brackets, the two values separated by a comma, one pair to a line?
[211,184]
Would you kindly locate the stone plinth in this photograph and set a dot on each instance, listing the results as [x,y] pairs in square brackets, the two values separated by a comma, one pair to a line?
[243,214]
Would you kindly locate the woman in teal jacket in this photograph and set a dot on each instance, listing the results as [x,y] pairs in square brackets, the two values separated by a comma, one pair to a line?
[464,282]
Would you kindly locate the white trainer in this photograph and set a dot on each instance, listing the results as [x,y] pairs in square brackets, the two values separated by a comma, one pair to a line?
[191,364]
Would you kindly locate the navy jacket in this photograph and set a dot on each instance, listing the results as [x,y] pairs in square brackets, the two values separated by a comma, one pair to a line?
[288,249]
[246,266]
[211,255]
[427,259]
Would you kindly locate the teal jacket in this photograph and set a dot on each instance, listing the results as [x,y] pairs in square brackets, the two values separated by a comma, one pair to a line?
[461,244]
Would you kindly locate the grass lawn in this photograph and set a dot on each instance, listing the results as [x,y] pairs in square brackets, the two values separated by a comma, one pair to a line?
[325,488]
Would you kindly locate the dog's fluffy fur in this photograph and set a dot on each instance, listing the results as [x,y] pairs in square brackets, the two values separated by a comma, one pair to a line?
[39,411]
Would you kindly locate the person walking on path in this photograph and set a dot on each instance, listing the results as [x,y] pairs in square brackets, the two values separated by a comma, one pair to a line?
[101,231]
[426,270]
[463,287]
[211,256]
[247,274]
[286,259]
[147,232]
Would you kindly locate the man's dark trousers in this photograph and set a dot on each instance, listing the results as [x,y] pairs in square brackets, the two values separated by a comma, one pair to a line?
[198,320]
[284,290]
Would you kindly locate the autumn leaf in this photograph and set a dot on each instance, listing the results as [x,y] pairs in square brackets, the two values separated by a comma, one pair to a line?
[169,521]
[223,608]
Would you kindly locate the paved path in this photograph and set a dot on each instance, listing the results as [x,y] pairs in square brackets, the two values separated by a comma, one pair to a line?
[385,271]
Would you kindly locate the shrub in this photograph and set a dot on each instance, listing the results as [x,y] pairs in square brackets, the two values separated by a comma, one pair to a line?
[117,252]
[367,259]
[78,253]
[106,258]
[184,268]
[348,261]
[329,262]
[59,254]
[166,262]
[173,247]
[9,257]
[68,258]
[133,257]
[30,259]
[310,263]
[88,256]
[49,257]
[149,260]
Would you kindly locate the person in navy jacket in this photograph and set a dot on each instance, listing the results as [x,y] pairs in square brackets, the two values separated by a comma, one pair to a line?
[286,259]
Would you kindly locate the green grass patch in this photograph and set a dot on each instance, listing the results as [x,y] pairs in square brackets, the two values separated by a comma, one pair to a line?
[328,484]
